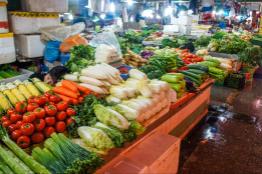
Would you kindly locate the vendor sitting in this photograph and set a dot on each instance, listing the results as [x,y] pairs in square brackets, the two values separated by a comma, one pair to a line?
[52,76]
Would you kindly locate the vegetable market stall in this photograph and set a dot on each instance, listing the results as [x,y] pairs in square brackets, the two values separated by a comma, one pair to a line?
[171,127]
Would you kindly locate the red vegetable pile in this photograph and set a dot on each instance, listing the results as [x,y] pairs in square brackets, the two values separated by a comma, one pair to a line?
[32,122]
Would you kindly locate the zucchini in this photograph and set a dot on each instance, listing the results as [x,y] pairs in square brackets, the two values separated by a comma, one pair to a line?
[199,67]
[196,76]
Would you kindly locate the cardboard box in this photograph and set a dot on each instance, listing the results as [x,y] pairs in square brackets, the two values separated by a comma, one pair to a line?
[3,18]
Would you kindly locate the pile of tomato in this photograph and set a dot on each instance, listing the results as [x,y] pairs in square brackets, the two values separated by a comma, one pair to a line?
[33,121]
[188,57]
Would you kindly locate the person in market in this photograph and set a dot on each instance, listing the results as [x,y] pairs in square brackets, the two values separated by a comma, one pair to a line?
[52,76]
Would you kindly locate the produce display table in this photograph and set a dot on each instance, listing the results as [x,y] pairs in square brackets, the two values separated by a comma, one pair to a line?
[157,150]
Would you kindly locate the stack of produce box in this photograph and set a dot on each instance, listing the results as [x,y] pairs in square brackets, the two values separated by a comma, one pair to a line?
[26,25]
[7,48]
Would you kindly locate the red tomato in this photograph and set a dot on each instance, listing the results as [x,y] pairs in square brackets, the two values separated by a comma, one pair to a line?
[20,107]
[4,118]
[23,142]
[54,98]
[6,123]
[70,112]
[48,94]
[15,117]
[60,126]
[39,113]
[61,115]
[31,100]
[50,121]
[40,101]
[62,106]
[10,112]
[18,124]
[27,128]
[29,117]
[44,98]
[11,128]
[39,124]
[16,134]
[50,110]
[32,106]
[69,121]
[37,137]
[48,131]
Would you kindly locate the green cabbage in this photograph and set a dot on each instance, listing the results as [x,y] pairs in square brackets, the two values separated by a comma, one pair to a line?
[110,117]
[129,113]
[95,138]
[115,135]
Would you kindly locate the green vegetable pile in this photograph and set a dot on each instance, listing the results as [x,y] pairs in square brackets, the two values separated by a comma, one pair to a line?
[60,155]
[85,114]
[174,42]
[230,44]
[202,41]
[80,57]
[251,55]
[160,63]
[6,71]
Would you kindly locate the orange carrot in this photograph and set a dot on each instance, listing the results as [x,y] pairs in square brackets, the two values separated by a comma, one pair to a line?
[81,88]
[65,98]
[67,84]
[64,91]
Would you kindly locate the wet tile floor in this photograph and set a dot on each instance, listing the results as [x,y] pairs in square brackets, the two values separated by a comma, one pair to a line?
[229,139]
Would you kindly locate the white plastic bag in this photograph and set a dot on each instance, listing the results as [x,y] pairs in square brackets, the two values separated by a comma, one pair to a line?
[109,39]
[60,33]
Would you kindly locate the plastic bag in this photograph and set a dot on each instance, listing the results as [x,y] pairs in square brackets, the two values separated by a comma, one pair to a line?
[60,33]
[107,38]
[52,51]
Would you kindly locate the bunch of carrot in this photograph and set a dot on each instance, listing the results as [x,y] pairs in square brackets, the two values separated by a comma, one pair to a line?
[71,92]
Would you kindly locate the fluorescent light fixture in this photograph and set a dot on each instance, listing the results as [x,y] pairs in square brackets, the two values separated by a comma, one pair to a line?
[221,12]
[158,16]
[148,13]
[190,12]
[129,2]
[112,7]
[168,11]
[103,16]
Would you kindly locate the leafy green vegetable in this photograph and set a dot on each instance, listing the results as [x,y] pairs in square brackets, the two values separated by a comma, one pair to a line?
[251,55]
[80,57]
[60,155]
[85,114]
[113,133]
[202,41]
[95,138]
[110,117]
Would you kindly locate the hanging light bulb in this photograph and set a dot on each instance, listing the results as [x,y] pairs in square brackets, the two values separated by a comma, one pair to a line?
[168,11]
[112,7]
[129,2]
[148,13]
[103,16]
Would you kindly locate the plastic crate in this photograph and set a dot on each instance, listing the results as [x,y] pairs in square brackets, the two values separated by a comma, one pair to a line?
[235,80]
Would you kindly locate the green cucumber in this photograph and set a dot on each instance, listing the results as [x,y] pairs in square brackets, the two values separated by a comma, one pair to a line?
[194,80]
[5,74]
[196,76]
[197,71]
[199,67]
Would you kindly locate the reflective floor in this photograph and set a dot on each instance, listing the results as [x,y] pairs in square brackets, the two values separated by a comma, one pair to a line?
[229,140]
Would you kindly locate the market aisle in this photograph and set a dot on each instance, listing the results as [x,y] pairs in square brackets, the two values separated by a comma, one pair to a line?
[227,142]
